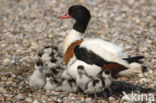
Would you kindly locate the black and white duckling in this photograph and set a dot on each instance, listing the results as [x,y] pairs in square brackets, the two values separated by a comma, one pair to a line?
[67,85]
[95,86]
[51,82]
[37,80]
[83,78]
[48,52]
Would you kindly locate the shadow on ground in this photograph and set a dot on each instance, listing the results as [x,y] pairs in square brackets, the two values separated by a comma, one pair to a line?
[119,86]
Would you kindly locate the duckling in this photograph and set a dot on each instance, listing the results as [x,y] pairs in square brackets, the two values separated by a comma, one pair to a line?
[37,80]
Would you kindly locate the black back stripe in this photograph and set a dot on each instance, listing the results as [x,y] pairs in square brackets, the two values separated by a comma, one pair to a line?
[89,57]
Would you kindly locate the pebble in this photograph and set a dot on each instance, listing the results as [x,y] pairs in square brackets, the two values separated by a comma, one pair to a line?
[61,96]
[35,101]
[88,100]
[150,71]
[3,78]
[1,99]
[28,99]
[140,75]
[111,99]
[144,80]
[8,98]
[20,96]
[154,85]
[6,61]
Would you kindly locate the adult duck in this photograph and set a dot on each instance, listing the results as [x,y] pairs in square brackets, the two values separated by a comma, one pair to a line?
[93,54]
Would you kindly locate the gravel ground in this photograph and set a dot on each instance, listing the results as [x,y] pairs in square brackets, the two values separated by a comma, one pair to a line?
[26,26]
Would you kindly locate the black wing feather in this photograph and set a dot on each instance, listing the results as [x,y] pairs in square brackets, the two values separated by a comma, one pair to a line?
[89,57]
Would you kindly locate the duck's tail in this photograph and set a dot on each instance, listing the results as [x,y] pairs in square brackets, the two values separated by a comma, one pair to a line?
[134,59]
[114,68]
[133,70]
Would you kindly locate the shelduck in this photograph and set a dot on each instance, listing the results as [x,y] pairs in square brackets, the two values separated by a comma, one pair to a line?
[93,54]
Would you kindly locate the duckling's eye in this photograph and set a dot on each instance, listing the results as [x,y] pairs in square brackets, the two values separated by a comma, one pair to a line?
[80,67]
[55,48]
[39,62]
[107,72]
[40,54]
[95,81]
[48,75]
[53,60]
